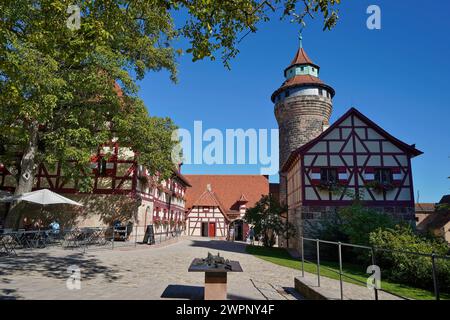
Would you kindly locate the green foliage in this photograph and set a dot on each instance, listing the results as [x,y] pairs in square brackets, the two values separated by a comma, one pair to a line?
[353,224]
[58,84]
[359,221]
[218,25]
[330,269]
[407,268]
[360,225]
[266,219]
[58,95]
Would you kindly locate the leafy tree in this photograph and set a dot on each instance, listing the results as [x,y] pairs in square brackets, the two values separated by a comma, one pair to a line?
[59,94]
[267,222]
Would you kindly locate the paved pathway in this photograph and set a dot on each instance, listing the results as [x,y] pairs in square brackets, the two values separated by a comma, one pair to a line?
[140,273]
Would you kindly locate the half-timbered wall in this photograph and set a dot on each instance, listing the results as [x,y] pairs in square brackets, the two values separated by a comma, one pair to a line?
[356,151]
[199,214]
[294,185]
[118,190]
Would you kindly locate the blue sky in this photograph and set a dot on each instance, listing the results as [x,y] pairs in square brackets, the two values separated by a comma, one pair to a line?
[398,76]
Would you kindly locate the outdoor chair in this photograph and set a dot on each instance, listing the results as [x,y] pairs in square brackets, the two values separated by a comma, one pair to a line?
[7,245]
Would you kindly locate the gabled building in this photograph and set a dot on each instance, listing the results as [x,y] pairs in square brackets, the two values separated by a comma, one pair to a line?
[122,190]
[434,218]
[217,203]
[326,167]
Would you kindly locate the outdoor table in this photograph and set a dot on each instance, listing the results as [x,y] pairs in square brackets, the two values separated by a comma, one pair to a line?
[215,277]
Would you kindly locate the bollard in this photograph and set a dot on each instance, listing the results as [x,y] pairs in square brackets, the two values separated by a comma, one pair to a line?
[113,238]
[303,259]
[435,280]
[374,263]
[85,242]
[340,270]
[318,262]
[135,236]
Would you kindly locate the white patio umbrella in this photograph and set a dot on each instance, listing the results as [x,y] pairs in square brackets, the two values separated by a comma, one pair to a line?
[6,196]
[45,197]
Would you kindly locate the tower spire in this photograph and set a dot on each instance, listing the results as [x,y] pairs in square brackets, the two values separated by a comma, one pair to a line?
[300,38]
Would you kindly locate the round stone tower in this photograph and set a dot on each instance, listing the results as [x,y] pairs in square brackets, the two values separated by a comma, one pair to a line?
[303,106]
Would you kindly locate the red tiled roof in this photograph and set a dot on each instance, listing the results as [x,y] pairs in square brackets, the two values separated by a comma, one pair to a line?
[301,58]
[208,199]
[302,80]
[227,189]
[425,207]
[118,89]
[243,198]
[182,178]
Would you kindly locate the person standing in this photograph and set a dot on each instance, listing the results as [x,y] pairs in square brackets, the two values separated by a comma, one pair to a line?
[251,235]
[232,234]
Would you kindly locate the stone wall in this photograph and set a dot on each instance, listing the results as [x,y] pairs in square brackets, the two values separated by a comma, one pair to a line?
[300,119]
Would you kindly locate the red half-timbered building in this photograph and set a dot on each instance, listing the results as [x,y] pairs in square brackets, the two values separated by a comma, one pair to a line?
[217,203]
[354,157]
[122,190]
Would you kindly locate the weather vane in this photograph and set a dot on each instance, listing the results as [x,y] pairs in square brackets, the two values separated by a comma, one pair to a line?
[300,38]
[299,19]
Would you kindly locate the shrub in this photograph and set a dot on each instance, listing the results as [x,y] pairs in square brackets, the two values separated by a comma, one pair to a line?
[407,268]
[352,224]
[267,222]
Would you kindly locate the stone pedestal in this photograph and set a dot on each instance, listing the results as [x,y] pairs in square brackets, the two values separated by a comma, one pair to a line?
[215,277]
[215,285]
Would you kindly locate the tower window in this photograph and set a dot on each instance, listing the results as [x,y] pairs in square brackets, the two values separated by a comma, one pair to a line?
[321,92]
[302,68]
[287,93]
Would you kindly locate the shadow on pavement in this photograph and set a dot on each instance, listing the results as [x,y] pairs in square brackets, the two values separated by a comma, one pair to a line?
[9,294]
[46,265]
[177,291]
[219,245]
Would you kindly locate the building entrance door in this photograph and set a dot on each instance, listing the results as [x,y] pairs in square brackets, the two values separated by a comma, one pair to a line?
[204,229]
[239,230]
[212,229]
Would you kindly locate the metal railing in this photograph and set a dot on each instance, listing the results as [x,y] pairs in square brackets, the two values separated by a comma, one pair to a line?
[372,252]
[87,238]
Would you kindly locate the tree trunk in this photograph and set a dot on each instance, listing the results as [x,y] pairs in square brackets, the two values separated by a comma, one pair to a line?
[26,171]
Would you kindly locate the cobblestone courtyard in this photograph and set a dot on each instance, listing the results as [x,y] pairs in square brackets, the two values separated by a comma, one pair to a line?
[139,273]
